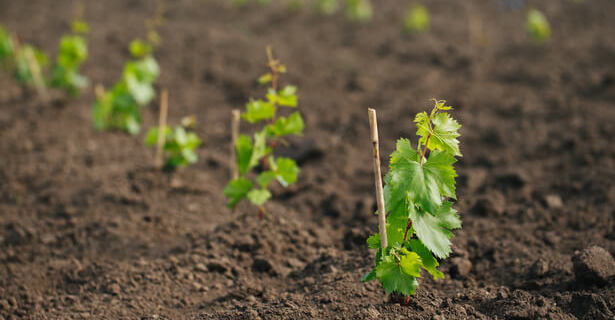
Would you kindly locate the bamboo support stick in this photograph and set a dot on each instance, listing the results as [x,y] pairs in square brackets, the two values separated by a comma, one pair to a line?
[162,124]
[35,71]
[99,91]
[373,124]
[234,137]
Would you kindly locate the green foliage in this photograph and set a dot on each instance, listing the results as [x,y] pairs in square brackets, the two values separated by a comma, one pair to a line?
[72,53]
[15,58]
[7,50]
[417,197]
[258,150]
[179,144]
[22,71]
[416,19]
[538,26]
[239,3]
[326,7]
[296,5]
[359,10]
[120,107]
[263,3]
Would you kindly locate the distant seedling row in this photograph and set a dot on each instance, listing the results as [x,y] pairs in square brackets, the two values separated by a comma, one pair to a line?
[416,18]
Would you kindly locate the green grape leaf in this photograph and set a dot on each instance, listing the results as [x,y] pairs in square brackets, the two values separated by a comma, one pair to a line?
[257,110]
[260,148]
[429,262]
[440,171]
[7,50]
[236,190]
[444,132]
[434,229]
[189,156]
[408,179]
[264,79]
[374,241]
[410,263]
[287,97]
[143,93]
[416,19]
[147,69]
[369,276]
[243,148]
[151,138]
[538,26]
[80,27]
[394,278]
[265,177]
[293,124]
[192,141]
[132,125]
[259,196]
[286,171]
[139,48]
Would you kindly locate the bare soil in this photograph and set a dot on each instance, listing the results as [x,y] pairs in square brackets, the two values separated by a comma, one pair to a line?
[88,229]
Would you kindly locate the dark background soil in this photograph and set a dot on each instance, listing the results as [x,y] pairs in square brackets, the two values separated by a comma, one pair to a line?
[88,229]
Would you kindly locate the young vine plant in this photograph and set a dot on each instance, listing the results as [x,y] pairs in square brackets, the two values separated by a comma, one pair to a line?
[120,107]
[73,51]
[18,58]
[418,194]
[7,49]
[416,19]
[538,26]
[258,151]
[179,145]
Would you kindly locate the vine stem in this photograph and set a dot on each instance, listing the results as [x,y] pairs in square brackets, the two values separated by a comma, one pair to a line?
[162,124]
[373,123]
[235,117]
[424,149]
[99,91]
[273,66]
[408,226]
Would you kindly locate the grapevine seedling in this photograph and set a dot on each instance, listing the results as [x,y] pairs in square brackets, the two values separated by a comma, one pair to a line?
[417,198]
[7,50]
[264,3]
[416,19]
[179,143]
[296,5]
[538,26]
[359,10]
[28,63]
[25,62]
[120,107]
[252,152]
[72,53]
[326,7]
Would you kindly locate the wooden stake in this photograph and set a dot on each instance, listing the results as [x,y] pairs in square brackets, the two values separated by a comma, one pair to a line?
[35,71]
[162,124]
[234,137]
[373,124]
[99,91]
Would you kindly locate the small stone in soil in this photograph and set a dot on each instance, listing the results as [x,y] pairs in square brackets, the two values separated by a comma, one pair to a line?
[261,264]
[539,268]
[493,204]
[553,201]
[461,267]
[594,265]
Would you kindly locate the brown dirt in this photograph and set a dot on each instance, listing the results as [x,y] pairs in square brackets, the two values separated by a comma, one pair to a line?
[89,229]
